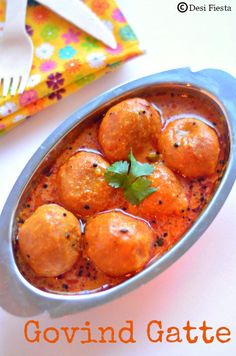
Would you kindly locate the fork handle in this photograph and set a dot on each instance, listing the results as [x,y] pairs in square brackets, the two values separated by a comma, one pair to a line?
[15,15]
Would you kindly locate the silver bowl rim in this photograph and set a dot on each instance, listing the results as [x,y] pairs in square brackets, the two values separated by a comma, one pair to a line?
[208,82]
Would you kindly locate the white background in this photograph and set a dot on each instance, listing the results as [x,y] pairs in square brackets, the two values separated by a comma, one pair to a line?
[202,284]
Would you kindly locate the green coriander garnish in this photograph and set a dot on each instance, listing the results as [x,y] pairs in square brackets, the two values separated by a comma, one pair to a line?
[132,178]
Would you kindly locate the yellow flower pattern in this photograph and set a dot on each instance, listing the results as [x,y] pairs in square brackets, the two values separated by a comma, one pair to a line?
[65,58]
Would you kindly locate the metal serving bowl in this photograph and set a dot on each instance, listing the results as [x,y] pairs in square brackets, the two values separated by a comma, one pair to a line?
[17,295]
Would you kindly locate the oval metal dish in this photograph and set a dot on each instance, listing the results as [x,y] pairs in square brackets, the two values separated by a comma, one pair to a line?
[17,295]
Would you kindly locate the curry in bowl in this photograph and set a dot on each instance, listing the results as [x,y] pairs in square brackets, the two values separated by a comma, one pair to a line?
[122,192]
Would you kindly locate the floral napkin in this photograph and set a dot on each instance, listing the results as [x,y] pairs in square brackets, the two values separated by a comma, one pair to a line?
[65,58]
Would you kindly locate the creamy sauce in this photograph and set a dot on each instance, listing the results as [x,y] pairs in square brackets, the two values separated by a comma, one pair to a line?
[84,277]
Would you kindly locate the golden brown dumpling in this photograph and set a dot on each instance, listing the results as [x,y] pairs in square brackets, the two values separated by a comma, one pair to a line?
[169,198]
[49,240]
[118,243]
[190,147]
[131,124]
[82,187]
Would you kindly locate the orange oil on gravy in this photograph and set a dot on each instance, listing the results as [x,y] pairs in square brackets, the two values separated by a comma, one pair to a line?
[84,277]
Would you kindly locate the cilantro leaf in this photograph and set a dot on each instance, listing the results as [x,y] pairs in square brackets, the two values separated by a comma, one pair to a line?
[139,190]
[116,174]
[138,169]
[131,177]
[119,167]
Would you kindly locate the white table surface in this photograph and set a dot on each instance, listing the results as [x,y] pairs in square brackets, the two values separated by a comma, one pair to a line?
[202,284]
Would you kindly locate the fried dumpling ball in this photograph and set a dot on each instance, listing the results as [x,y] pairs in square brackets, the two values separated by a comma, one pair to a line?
[49,240]
[81,184]
[190,147]
[118,243]
[131,124]
[169,198]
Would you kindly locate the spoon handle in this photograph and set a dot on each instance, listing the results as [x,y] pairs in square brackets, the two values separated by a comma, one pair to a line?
[15,15]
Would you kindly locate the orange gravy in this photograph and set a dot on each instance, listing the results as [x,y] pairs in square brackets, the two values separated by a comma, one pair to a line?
[84,277]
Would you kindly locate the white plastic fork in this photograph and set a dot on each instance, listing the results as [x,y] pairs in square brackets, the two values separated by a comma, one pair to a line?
[16,49]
